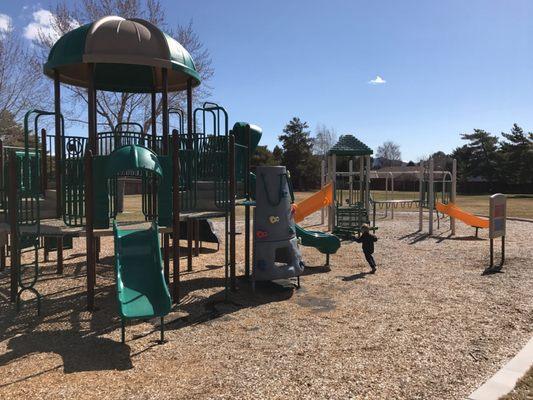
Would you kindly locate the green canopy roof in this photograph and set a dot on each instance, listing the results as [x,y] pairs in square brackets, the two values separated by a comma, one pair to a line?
[348,145]
[128,55]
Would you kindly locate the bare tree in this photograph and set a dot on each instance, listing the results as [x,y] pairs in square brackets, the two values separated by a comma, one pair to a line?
[21,86]
[324,139]
[116,108]
[389,153]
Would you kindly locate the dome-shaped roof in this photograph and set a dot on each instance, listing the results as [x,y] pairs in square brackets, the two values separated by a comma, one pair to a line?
[128,55]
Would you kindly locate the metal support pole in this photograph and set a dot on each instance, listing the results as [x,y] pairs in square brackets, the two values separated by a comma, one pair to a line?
[322,184]
[44,170]
[166,257]
[13,222]
[350,182]
[164,108]
[421,197]
[361,177]
[332,176]
[58,141]
[367,183]
[392,195]
[89,195]
[431,194]
[453,193]
[91,262]
[175,218]
[189,115]
[153,120]
[248,191]
[232,231]
[190,225]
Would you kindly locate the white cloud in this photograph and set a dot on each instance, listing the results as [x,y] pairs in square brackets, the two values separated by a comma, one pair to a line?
[40,25]
[6,24]
[378,80]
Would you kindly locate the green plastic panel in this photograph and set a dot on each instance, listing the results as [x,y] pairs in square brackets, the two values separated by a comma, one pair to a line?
[141,288]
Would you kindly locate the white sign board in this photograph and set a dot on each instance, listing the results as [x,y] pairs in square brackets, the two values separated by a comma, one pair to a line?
[498,215]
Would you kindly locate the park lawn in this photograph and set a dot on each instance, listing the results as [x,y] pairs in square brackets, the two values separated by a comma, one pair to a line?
[518,206]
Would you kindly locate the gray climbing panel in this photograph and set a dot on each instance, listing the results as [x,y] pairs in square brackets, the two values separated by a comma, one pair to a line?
[276,253]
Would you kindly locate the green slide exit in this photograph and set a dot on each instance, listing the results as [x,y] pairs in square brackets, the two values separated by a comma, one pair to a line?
[323,242]
[141,288]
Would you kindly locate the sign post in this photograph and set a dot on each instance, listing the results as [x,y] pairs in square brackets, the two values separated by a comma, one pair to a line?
[497,226]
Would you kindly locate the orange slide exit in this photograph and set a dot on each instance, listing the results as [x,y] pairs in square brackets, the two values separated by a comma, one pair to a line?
[455,212]
[318,200]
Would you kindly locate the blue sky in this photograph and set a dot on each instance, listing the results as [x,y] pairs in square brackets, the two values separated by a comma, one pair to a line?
[448,66]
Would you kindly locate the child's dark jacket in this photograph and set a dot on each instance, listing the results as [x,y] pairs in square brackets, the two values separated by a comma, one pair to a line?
[367,239]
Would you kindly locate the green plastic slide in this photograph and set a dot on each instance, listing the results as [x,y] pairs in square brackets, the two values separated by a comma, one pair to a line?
[323,242]
[141,288]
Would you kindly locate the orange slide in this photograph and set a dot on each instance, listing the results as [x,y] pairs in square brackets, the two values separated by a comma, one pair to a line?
[455,212]
[321,199]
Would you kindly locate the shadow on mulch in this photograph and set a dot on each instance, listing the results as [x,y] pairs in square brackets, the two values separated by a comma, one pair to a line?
[80,343]
[471,238]
[418,236]
[312,270]
[360,275]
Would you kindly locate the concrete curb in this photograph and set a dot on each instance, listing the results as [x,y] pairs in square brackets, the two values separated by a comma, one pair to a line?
[503,381]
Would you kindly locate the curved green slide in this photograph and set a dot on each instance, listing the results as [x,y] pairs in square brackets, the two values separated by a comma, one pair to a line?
[323,242]
[141,288]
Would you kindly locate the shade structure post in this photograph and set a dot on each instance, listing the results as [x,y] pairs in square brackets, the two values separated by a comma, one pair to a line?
[175,218]
[13,225]
[89,228]
[361,177]
[350,181]
[367,183]
[164,109]
[189,115]
[58,140]
[232,230]
[89,186]
[247,190]
[421,197]
[153,120]
[322,184]
[431,199]
[453,193]
[44,170]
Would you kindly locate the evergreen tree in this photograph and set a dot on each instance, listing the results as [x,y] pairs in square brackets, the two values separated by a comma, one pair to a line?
[277,153]
[262,156]
[517,155]
[484,157]
[298,154]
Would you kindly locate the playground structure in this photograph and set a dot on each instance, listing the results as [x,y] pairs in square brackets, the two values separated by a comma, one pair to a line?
[350,206]
[59,186]
[391,202]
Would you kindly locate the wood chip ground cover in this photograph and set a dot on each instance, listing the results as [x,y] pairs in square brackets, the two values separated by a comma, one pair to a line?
[427,325]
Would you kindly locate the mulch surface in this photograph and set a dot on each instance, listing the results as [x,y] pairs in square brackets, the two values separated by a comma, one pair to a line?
[427,325]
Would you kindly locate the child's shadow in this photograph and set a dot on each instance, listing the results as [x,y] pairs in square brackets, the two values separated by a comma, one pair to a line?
[360,275]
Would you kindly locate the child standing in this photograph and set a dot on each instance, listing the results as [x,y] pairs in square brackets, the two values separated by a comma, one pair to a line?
[368,239]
